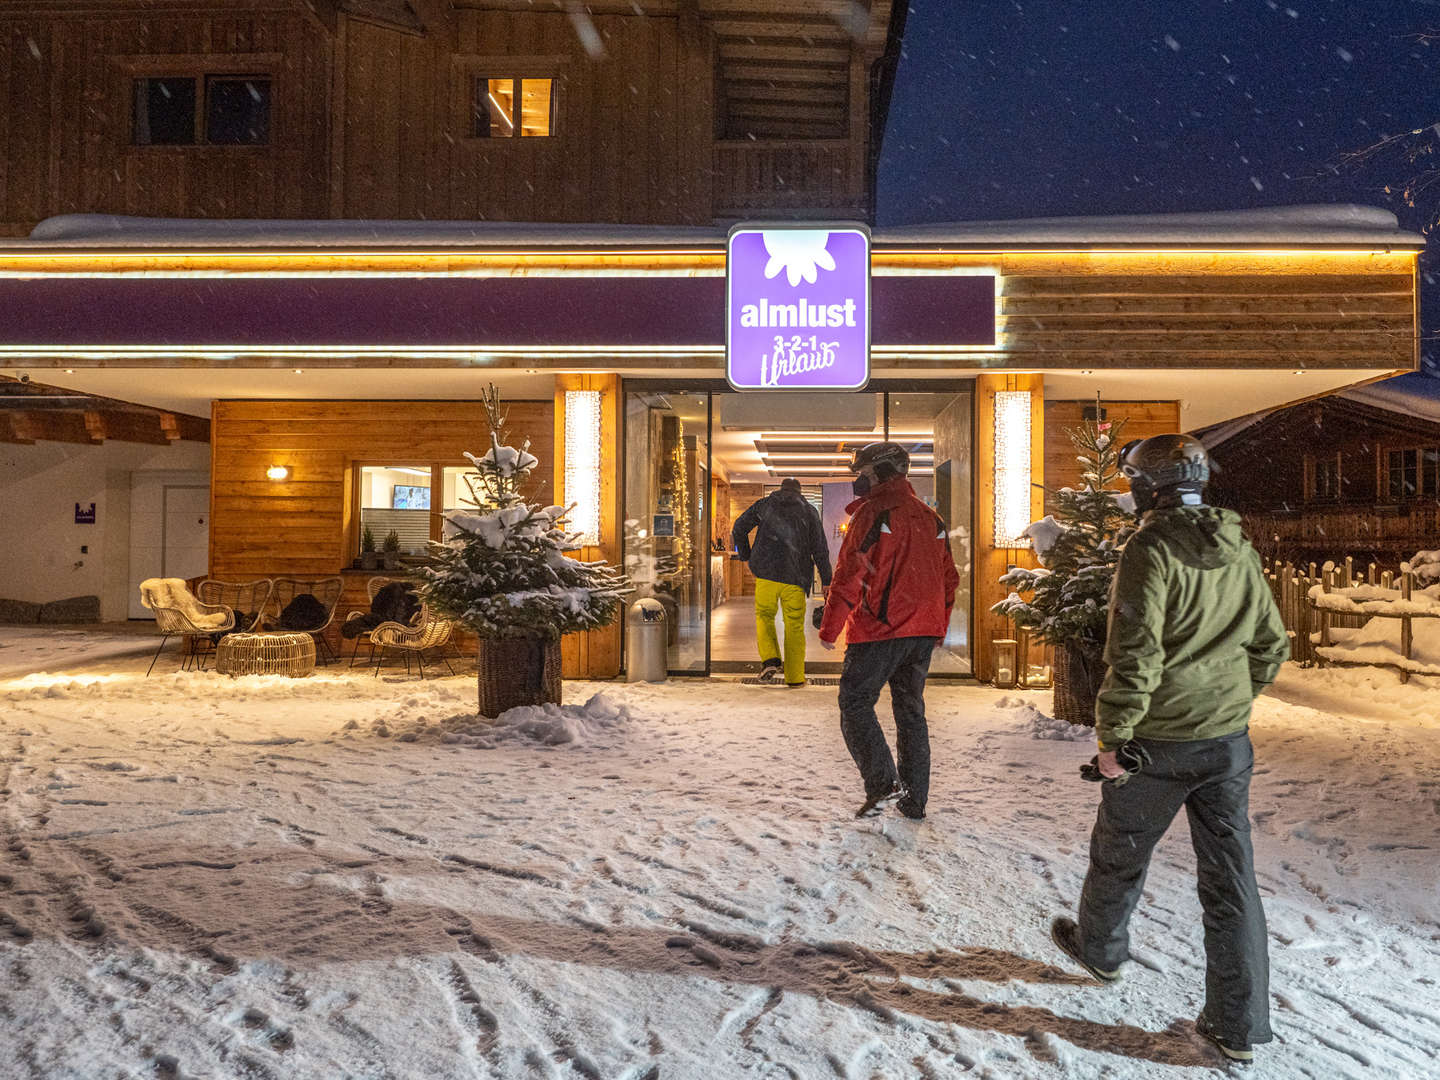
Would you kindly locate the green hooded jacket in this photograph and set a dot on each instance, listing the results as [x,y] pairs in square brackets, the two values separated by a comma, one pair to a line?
[1194,631]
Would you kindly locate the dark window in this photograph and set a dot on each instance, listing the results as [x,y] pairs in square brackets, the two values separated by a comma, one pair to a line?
[164,112]
[1430,471]
[506,108]
[237,110]
[1327,480]
[1404,474]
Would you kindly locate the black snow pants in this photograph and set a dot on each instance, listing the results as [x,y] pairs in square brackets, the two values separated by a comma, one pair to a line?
[1210,778]
[869,665]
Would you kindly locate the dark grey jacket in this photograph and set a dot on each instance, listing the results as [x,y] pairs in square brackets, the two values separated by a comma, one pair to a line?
[790,545]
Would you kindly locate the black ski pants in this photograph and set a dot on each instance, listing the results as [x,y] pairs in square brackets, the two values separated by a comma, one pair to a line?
[869,665]
[1210,778]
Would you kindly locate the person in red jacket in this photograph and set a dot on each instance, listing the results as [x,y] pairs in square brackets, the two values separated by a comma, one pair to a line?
[892,592]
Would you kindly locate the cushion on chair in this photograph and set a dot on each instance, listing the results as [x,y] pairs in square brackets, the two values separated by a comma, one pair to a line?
[396,602]
[303,613]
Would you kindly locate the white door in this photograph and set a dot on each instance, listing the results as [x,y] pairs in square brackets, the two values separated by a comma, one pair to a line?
[187,531]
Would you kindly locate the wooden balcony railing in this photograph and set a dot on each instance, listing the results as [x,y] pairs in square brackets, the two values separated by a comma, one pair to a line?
[753,178]
[1347,529]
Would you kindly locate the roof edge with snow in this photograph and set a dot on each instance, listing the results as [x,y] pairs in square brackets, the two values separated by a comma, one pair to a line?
[1341,225]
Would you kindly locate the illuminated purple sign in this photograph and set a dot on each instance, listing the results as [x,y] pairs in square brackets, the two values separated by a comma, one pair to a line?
[797,308]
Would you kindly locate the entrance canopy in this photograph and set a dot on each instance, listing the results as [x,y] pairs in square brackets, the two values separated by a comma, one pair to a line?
[1228,312]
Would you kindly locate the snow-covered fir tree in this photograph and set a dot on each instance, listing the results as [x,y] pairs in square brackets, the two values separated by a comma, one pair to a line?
[503,571]
[1078,547]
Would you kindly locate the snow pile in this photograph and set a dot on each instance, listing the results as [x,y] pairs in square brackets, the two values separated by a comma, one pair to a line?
[545,725]
[558,725]
[1378,642]
[1031,721]
[1374,600]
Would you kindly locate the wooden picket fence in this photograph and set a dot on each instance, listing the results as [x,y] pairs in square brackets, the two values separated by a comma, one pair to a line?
[1309,625]
[1291,583]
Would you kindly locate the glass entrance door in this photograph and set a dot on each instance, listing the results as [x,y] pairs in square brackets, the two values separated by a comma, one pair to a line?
[695,460]
[667,508]
[759,440]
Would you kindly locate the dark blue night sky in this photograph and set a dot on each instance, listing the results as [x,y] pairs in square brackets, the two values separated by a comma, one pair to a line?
[1037,108]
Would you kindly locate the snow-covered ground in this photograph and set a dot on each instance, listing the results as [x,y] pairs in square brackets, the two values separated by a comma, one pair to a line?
[345,876]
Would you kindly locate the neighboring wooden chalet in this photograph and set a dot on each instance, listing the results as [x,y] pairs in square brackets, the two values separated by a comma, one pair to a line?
[637,111]
[1356,473]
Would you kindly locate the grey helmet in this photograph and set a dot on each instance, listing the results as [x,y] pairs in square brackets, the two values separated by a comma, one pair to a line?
[889,459]
[1165,469]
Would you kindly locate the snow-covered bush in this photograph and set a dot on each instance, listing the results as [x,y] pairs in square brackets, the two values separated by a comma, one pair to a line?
[503,572]
[1426,568]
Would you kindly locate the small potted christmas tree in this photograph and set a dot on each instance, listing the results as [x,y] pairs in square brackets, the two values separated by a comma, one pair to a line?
[503,573]
[1078,547]
[369,557]
[390,550]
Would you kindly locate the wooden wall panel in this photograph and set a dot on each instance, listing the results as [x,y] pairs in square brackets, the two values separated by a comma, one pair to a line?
[305,525]
[65,119]
[1142,419]
[616,157]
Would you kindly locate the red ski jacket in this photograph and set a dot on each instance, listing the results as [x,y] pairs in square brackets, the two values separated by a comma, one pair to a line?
[895,577]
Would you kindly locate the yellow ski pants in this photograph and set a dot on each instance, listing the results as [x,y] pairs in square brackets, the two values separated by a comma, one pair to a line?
[772,596]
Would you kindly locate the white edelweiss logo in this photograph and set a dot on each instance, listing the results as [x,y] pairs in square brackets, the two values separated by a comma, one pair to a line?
[798,252]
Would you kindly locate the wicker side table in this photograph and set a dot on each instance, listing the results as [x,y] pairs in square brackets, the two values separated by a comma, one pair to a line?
[266,654]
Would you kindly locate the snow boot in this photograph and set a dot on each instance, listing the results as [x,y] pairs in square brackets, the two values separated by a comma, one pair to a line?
[1239,1053]
[910,808]
[771,671]
[872,807]
[1066,935]
[795,685]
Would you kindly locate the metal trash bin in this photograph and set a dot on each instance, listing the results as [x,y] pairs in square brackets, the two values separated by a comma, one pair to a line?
[645,641]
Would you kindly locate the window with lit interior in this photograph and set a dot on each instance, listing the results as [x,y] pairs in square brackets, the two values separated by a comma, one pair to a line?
[510,107]
[396,498]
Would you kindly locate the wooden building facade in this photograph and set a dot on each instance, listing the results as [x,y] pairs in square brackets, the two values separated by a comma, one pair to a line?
[326,225]
[334,351]
[652,111]
[1340,476]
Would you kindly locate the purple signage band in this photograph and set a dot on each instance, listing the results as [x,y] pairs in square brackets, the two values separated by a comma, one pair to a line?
[450,312]
[797,307]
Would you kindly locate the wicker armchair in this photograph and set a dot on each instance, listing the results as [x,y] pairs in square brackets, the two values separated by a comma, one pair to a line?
[428,631]
[372,586]
[326,590]
[249,598]
[158,594]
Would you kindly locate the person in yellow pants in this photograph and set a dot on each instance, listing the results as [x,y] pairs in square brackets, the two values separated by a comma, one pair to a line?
[771,596]
[789,549]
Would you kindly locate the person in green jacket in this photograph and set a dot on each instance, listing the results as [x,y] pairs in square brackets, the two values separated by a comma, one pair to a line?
[1194,636]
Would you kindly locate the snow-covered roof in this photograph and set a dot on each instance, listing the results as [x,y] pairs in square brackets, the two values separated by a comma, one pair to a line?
[1308,225]
[1342,225]
[1414,395]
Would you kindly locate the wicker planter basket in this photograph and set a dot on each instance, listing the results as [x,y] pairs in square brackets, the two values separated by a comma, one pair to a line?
[265,654]
[1079,670]
[517,671]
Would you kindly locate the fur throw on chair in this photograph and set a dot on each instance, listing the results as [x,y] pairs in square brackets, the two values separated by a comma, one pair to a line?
[396,602]
[174,594]
[305,612]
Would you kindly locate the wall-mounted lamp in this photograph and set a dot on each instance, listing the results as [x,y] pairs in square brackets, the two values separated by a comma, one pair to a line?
[582,462]
[278,472]
[1012,468]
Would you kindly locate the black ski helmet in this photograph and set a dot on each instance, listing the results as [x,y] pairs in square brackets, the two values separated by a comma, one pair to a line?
[888,458]
[1162,466]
